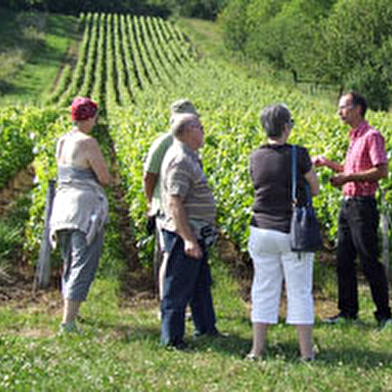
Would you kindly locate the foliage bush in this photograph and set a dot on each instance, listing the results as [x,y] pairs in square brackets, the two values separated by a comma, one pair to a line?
[341,42]
[18,130]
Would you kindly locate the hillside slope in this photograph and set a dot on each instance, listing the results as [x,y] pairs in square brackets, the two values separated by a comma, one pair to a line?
[32,49]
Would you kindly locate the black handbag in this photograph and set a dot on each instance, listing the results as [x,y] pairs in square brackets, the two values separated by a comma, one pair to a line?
[305,234]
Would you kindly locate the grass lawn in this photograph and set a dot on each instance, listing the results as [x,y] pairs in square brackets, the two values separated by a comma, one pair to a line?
[206,35]
[34,47]
[119,348]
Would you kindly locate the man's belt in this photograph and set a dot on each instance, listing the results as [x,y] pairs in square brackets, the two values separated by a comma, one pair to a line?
[359,198]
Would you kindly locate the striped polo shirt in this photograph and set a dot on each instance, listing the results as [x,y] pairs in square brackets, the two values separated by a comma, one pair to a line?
[182,175]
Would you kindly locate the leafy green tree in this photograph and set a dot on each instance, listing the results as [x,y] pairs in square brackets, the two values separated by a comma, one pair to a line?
[206,9]
[283,32]
[289,38]
[301,20]
[357,48]
[234,20]
[265,33]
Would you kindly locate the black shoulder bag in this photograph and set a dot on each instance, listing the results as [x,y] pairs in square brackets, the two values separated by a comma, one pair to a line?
[305,235]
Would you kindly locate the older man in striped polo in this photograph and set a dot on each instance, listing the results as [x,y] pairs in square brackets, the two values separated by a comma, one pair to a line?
[190,211]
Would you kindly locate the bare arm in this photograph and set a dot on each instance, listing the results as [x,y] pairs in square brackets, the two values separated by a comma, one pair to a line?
[373,174]
[311,178]
[97,162]
[183,228]
[149,182]
[320,161]
[59,148]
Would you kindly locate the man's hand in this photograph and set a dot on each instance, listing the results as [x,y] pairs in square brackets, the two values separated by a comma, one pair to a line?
[149,183]
[339,180]
[183,228]
[373,174]
[192,249]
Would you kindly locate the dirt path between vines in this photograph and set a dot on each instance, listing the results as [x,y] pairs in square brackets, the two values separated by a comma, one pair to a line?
[70,58]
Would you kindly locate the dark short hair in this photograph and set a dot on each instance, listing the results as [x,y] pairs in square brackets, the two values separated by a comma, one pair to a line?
[274,118]
[358,100]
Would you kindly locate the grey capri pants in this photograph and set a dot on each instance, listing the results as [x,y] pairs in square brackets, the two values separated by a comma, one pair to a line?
[80,262]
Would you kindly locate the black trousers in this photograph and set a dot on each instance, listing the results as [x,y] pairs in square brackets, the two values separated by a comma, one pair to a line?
[357,236]
[187,280]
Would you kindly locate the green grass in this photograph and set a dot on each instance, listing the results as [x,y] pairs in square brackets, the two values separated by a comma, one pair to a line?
[205,35]
[34,47]
[208,38]
[119,349]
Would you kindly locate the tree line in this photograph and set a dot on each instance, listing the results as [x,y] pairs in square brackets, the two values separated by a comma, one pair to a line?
[347,43]
[206,9]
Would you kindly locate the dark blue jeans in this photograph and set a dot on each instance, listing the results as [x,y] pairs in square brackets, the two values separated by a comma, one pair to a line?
[187,280]
[357,235]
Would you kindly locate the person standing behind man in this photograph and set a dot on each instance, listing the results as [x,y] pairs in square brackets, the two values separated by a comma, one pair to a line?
[366,163]
[151,180]
[190,211]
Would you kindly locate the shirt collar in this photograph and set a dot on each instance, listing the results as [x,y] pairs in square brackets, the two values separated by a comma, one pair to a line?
[359,130]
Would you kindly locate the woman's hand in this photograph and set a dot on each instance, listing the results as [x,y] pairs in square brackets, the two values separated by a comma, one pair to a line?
[319,161]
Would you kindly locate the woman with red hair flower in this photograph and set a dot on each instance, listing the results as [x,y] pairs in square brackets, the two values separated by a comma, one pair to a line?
[79,208]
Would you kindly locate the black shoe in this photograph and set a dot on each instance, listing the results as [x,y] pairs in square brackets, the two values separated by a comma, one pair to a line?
[218,334]
[339,319]
[213,334]
[181,345]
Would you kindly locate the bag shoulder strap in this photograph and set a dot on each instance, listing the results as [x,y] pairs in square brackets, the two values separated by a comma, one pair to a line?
[294,173]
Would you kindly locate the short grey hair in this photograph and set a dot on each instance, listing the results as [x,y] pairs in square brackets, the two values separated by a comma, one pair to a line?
[274,118]
[181,123]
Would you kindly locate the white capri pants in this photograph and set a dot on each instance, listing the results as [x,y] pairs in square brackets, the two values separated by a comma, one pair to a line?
[274,261]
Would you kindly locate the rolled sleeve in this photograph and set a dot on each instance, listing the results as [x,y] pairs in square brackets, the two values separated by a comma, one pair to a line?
[377,153]
[178,181]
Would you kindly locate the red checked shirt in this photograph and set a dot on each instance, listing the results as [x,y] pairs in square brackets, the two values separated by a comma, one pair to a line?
[366,150]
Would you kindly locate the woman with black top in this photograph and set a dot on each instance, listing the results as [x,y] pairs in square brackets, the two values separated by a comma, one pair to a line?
[269,241]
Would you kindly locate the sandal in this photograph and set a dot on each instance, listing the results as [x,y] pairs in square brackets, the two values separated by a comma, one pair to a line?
[253,357]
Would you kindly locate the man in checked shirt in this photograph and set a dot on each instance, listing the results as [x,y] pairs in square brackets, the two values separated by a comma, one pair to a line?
[366,163]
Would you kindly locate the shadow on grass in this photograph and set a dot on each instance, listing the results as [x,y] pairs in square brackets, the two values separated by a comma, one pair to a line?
[237,347]
[127,332]
[365,326]
[355,357]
